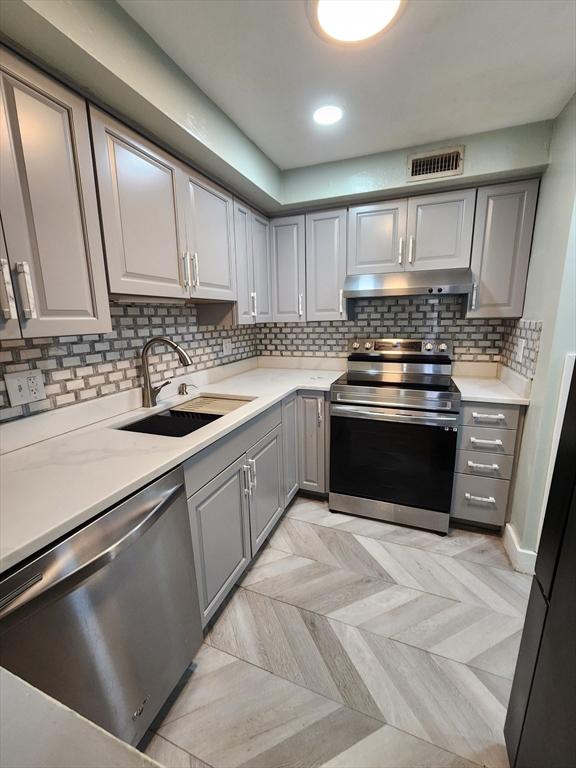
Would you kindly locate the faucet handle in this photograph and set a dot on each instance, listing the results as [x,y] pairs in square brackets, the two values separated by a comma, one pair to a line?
[164,383]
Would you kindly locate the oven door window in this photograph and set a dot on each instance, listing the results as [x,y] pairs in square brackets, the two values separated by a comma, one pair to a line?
[402,463]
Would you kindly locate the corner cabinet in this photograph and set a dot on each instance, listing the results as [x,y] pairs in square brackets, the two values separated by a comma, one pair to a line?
[325,265]
[209,217]
[501,248]
[312,441]
[253,266]
[52,275]
[287,237]
[142,216]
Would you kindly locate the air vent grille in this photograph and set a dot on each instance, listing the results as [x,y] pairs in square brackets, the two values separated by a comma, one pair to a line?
[448,161]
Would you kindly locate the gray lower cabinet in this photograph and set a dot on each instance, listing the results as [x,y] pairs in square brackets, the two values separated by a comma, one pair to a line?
[287,247]
[325,265]
[312,442]
[219,516]
[290,446]
[266,497]
[52,275]
[501,248]
[439,230]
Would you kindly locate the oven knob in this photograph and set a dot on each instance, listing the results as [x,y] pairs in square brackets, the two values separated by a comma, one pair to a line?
[368,345]
[356,345]
[442,347]
[429,347]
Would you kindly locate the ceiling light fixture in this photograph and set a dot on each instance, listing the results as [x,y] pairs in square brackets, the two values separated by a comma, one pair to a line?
[351,21]
[327,115]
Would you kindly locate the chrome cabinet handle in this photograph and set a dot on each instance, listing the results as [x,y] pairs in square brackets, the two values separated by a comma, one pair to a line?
[196,270]
[400,250]
[489,467]
[253,297]
[474,302]
[479,441]
[252,463]
[341,301]
[247,483]
[300,305]
[488,416]
[480,499]
[7,302]
[411,250]
[187,277]
[320,405]
[26,290]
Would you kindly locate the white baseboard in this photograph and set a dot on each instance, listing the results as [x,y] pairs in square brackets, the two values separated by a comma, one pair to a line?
[523,560]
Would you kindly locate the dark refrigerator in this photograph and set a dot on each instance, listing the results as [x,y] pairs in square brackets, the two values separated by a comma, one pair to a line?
[540,728]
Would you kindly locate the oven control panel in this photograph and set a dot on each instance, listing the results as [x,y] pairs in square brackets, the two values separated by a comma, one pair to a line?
[401,346]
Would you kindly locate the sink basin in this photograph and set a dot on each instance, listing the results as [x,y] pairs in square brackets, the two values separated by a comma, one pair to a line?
[172,423]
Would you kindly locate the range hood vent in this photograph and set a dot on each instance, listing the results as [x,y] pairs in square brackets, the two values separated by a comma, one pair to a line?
[436,164]
[437,281]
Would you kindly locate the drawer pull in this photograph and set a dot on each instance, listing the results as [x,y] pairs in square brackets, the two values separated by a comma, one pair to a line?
[479,441]
[480,499]
[488,416]
[489,467]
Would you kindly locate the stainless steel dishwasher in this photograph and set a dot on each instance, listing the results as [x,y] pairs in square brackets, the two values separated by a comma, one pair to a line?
[107,620]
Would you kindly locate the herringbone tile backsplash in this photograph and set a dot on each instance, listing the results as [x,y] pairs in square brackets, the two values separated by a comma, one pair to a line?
[79,368]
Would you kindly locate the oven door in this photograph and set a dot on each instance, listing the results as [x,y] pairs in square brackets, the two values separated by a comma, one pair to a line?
[397,456]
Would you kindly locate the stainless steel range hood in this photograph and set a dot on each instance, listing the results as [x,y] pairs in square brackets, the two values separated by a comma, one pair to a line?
[409,283]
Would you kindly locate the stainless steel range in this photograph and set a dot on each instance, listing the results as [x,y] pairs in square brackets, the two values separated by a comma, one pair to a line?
[393,431]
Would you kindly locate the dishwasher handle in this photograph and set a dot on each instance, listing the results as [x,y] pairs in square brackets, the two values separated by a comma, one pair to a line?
[66,568]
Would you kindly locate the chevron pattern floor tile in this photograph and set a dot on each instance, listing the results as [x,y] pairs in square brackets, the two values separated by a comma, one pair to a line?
[496,588]
[486,549]
[448,704]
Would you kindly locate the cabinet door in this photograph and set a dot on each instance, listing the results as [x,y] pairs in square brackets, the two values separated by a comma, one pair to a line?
[290,446]
[262,268]
[48,204]
[220,535]
[325,265]
[244,264]
[9,325]
[376,238]
[288,269]
[501,248]
[210,227]
[142,223]
[440,230]
[312,444]
[267,486]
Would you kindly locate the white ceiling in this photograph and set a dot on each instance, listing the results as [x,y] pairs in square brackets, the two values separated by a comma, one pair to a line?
[446,68]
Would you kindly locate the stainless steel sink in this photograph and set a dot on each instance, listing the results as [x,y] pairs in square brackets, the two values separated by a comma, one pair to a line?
[172,423]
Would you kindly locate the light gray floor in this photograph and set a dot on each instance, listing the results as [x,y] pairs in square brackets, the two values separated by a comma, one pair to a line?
[353,643]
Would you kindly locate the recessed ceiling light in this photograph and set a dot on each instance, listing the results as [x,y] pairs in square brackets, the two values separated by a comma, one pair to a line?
[353,20]
[327,115]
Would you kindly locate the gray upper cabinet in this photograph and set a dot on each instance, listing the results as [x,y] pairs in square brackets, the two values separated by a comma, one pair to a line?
[312,442]
[49,210]
[210,238]
[376,237]
[288,269]
[220,534]
[142,219]
[244,264]
[290,446]
[266,486]
[439,230]
[501,249]
[9,325]
[262,268]
[325,265]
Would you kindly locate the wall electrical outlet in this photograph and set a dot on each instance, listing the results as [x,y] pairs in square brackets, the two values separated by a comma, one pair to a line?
[25,387]
[227,347]
[520,350]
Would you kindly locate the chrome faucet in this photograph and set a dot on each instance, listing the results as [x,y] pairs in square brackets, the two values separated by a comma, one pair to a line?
[150,393]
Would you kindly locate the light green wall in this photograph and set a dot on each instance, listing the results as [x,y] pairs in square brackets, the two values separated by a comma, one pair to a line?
[99,48]
[550,297]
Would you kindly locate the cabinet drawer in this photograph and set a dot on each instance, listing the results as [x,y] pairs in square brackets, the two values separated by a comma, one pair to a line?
[479,499]
[494,415]
[487,439]
[498,466]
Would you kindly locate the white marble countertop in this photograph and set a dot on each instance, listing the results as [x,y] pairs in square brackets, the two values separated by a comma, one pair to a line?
[488,390]
[50,488]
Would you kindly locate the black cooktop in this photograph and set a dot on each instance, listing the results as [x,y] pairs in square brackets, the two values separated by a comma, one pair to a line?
[346,379]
